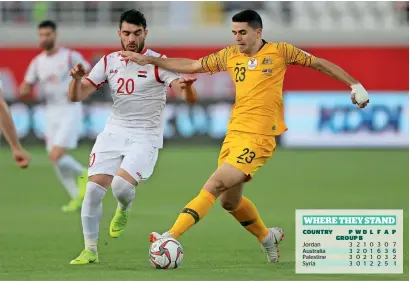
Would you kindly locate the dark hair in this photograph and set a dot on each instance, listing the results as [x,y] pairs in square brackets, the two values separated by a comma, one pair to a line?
[250,16]
[48,23]
[134,17]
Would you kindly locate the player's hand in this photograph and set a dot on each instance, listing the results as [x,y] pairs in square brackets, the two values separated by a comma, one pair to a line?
[359,96]
[78,71]
[135,57]
[22,157]
[186,82]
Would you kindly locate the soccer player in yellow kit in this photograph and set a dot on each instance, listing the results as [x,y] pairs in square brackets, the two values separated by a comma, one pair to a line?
[258,69]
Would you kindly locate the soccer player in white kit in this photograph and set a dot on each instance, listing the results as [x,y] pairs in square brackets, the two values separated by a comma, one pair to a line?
[125,153]
[50,69]
[8,129]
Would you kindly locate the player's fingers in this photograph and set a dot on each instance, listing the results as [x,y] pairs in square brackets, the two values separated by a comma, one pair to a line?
[125,53]
[365,104]
[352,98]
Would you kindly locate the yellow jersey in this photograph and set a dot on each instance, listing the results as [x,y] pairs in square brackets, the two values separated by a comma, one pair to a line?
[258,80]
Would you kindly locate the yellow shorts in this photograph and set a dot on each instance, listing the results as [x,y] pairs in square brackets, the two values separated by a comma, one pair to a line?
[246,151]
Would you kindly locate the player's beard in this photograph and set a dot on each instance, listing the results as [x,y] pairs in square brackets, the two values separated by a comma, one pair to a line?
[140,47]
[48,46]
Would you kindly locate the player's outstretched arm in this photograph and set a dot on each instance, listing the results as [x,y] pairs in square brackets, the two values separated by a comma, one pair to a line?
[79,88]
[359,94]
[7,127]
[334,71]
[293,55]
[180,65]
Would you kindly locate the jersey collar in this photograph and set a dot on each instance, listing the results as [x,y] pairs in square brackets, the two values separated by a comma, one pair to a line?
[264,43]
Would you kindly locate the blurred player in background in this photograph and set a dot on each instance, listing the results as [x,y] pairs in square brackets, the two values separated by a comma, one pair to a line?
[125,153]
[8,129]
[50,70]
[258,69]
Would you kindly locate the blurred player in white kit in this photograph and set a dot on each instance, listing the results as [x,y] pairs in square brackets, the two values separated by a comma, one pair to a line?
[125,153]
[8,129]
[50,70]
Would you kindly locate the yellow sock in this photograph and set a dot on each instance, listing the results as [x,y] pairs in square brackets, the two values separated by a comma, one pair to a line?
[192,213]
[248,216]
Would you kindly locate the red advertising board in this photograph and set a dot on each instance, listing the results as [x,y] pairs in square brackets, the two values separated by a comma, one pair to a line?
[377,68]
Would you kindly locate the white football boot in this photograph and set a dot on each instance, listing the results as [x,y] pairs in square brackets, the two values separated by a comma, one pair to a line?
[271,242]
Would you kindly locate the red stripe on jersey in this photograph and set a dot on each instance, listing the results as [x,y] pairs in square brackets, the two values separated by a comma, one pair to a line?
[142,72]
[95,85]
[105,63]
[156,71]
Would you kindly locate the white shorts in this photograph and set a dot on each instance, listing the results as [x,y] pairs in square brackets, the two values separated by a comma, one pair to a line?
[113,151]
[63,126]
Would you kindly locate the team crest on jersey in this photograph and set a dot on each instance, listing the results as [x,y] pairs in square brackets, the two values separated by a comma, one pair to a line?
[267,61]
[252,63]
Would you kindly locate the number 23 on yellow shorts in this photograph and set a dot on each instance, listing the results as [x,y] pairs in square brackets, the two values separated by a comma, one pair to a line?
[247,152]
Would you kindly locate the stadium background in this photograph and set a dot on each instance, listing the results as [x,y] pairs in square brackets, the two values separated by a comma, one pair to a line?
[368,39]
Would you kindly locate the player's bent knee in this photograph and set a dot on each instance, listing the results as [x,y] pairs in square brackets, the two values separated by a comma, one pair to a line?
[120,186]
[230,199]
[229,205]
[224,179]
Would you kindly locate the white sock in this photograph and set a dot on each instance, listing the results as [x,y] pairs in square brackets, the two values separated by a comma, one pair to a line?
[91,213]
[68,162]
[123,191]
[67,180]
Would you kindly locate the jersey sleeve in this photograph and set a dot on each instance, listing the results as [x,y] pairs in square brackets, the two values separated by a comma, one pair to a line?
[166,76]
[215,62]
[293,55]
[76,57]
[97,76]
[31,73]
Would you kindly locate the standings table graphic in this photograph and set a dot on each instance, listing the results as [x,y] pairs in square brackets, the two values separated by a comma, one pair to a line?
[349,241]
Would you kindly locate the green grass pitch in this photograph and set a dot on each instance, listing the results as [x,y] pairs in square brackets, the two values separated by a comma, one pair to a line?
[37,240]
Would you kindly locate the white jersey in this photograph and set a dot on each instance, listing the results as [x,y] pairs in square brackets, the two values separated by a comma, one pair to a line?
[52,73]
[138,93]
